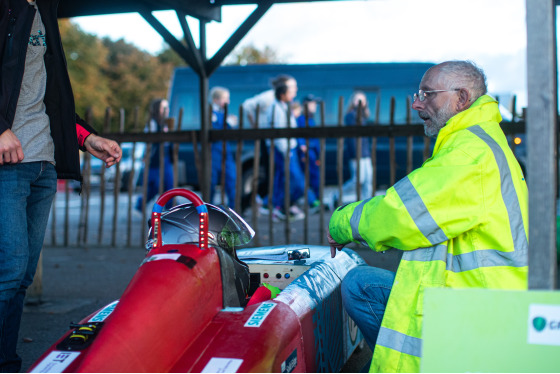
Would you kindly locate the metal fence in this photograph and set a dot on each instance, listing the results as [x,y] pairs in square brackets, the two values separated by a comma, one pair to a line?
[104,214]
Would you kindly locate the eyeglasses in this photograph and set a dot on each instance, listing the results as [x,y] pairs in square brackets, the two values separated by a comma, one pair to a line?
[421,95]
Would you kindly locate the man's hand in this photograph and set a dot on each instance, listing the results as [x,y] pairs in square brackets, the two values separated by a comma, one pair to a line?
[10,148]
[104,149]
[334,245]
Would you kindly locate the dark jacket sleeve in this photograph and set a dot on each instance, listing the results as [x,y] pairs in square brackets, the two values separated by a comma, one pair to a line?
[4,7]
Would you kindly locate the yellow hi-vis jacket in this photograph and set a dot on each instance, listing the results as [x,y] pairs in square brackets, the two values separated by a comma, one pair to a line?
[461,218]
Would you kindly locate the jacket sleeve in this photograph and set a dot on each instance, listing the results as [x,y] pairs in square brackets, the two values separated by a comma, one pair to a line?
[4,125]
[432,204]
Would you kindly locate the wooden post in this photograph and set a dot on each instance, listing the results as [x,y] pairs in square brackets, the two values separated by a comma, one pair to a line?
[541,142]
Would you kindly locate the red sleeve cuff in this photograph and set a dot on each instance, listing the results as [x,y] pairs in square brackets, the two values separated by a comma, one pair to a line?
[82,134]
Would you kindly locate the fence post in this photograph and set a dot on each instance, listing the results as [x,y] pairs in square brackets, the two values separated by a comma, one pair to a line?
[374,147]
[238,178]
[255,180]
[106,128]
[339,152]
[322,158]
[131,184]
[117,186]
[392,161]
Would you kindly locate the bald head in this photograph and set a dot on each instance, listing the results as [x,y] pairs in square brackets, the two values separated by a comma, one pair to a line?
[461,74]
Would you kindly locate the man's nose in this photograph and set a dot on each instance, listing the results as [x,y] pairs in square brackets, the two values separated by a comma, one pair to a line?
[417,104]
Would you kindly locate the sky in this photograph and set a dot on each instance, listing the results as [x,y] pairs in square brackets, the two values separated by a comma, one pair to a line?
[492,33]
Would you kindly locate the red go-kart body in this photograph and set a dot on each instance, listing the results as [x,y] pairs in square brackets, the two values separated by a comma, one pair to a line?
[172,317]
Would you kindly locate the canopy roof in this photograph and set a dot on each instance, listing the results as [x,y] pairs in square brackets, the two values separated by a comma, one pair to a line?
[209,10]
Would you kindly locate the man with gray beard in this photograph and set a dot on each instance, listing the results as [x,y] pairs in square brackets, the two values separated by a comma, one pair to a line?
[443,93]
[461,219]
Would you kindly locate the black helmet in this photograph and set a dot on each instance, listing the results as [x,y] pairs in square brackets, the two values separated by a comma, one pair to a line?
[226,230]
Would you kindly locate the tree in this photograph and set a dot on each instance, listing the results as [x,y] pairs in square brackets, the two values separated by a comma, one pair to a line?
[251,55]
[168,55]
[86,58]
[114,74]
[135,77]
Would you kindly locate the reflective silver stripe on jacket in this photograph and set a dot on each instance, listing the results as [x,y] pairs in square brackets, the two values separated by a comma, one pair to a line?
[418,211]
[399,342]
[483,257]
[355,222]
[467,261]
[509,195]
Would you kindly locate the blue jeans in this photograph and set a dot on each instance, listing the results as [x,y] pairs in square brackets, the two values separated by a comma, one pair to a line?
[26,194]
[297,180]
[153,184]
[365,292]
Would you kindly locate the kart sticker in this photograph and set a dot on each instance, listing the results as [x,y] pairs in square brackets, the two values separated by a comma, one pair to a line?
[290,364]
[222,365]
[185,260]
[104,313]
[56,362]
[162,256]
[259,315]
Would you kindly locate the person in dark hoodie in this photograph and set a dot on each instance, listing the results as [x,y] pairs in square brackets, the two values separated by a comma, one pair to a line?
[40,135]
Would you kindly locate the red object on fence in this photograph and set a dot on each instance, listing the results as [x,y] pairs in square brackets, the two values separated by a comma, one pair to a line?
[61,185]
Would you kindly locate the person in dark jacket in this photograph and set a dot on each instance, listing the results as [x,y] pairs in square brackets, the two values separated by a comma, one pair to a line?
[159,112]
[40,135]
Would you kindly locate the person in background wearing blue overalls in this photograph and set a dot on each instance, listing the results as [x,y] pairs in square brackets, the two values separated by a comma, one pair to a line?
[220,98]
[159,111]
[314,149]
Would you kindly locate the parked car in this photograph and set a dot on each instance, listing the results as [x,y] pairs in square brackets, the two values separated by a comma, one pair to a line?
[127,164]
[131,163]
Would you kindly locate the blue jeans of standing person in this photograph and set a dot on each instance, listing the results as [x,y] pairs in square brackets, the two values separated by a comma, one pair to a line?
[26,194]
[314,174]
[297,179]
[365,292]
[153,183]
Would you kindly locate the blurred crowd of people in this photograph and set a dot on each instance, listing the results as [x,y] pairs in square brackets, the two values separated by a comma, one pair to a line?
[273,108]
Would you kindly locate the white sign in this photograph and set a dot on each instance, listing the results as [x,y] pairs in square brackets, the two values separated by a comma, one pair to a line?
[104,313]
[544,324]
[259,315]
[55,362]
[222,365]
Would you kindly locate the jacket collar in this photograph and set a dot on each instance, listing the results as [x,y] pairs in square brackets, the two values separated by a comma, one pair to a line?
[484,109]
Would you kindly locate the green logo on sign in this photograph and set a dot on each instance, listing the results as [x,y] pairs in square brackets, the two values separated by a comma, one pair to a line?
[539,323]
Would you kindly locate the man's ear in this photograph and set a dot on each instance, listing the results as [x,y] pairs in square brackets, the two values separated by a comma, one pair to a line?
[464,101]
